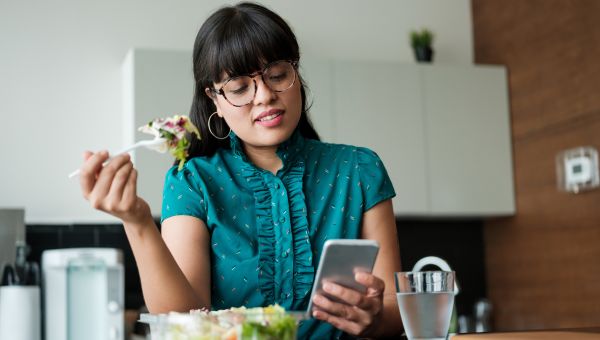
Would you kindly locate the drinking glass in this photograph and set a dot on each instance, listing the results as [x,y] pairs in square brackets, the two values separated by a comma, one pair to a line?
[425,299]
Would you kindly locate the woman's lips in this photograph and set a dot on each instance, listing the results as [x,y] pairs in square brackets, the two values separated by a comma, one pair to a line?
[270,118]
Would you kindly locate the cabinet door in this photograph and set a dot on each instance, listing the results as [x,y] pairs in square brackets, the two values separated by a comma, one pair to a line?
[468,140]
[378,105]
[317,75]
[156,84]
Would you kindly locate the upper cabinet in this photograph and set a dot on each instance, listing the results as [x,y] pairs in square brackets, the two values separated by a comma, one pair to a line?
[468,142]
[156,83]
[443,132]
[379,106]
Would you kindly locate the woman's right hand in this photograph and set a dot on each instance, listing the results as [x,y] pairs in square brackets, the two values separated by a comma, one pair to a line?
[113,188]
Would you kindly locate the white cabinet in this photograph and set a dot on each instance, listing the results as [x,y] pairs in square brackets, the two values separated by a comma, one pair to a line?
[468,140]
[318,76]
[443,132]
[156,83]
[379,106]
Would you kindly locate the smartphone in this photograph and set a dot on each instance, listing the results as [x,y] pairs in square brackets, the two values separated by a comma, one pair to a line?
[340,261]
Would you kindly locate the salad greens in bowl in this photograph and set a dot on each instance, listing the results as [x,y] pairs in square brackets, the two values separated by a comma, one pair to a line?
[259,323]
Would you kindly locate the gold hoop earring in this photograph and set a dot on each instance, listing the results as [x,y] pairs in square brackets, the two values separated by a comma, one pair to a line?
[211,131]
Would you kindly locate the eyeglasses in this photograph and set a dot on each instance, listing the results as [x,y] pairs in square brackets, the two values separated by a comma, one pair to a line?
[279,76]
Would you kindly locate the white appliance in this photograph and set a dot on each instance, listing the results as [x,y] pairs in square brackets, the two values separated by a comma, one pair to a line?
[20,313]
[83,294]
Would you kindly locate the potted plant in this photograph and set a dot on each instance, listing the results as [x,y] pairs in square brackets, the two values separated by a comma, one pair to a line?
[421,42]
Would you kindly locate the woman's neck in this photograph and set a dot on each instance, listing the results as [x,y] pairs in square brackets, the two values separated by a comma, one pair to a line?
[264,157]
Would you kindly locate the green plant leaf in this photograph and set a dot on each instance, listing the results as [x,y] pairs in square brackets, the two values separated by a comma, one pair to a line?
[424,37]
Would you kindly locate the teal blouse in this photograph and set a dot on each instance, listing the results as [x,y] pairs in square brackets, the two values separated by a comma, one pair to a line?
[267,230]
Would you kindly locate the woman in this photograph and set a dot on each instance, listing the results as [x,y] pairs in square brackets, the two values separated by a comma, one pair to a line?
[244,222]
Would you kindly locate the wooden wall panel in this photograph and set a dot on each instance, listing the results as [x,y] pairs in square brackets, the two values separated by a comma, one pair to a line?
[543,265]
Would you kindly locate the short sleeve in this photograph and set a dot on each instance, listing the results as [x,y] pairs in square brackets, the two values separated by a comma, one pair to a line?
[182,194]
[375,182]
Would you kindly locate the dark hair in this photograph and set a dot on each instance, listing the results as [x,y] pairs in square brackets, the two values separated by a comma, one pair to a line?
[238,40]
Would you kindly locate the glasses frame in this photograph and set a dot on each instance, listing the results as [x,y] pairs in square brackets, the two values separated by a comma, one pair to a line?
[253,76]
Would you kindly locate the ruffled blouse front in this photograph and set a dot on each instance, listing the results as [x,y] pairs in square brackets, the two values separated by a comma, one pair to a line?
[267,230]
[284,252]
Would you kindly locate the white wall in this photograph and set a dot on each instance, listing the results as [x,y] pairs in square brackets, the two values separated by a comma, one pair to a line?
[60,73]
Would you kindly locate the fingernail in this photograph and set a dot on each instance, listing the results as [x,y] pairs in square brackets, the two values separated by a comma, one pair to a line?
[360,276]
[328,287]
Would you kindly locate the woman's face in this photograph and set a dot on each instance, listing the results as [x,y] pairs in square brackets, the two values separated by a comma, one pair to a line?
[268,120]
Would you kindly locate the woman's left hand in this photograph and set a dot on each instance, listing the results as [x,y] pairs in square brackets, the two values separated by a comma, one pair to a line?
[359,314]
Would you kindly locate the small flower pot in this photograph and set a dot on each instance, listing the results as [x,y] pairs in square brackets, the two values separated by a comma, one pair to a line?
[423,54]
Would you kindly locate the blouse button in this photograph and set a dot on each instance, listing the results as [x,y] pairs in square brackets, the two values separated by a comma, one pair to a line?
[282,220]
[277,185]
[284,254]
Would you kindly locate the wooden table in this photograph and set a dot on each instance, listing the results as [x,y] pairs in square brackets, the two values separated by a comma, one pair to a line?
[566,334]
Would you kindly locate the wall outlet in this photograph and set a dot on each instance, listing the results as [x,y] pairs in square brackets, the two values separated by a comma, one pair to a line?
[577,169]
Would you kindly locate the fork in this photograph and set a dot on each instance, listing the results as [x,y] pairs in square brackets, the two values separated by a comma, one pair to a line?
[158,144]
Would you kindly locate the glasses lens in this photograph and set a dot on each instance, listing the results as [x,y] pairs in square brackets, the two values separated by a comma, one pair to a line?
[239,90]
[280,76]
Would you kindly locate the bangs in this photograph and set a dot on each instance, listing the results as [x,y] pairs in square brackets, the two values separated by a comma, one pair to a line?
[247,42]
[233,41]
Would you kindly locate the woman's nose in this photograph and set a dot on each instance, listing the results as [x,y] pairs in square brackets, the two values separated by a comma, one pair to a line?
[264,94]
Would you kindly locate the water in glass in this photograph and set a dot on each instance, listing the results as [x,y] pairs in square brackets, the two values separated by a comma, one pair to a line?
[425,300]
[425,315]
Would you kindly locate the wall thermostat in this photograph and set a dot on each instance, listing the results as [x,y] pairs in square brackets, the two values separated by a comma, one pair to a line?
[577,169]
